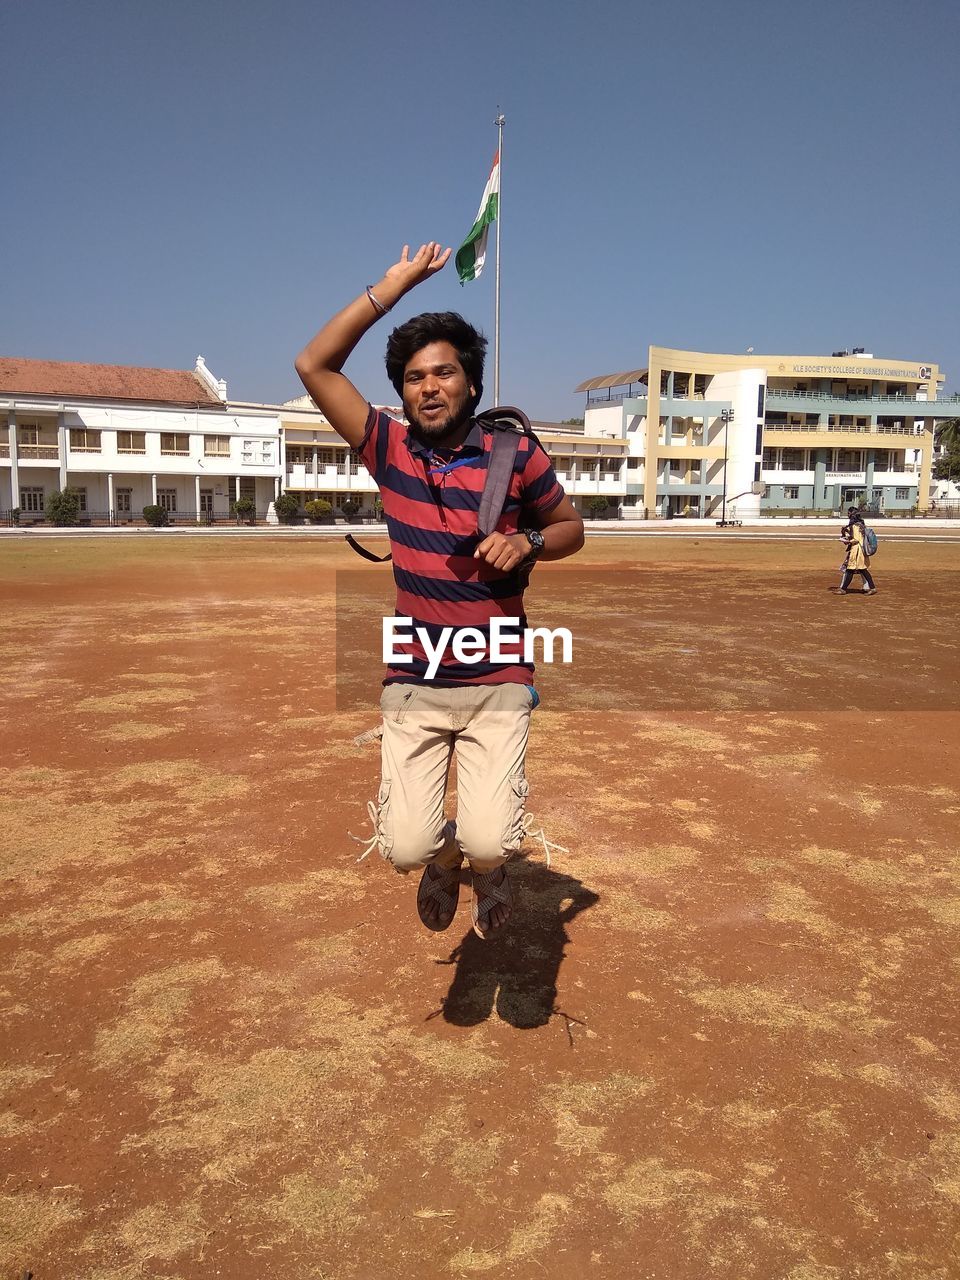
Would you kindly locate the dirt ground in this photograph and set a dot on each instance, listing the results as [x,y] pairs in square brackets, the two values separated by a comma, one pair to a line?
[720,1039]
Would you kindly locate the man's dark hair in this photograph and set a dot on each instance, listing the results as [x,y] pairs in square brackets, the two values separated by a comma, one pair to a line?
[437,326]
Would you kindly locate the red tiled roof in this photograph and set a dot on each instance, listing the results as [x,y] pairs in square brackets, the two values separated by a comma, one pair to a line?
[102,381]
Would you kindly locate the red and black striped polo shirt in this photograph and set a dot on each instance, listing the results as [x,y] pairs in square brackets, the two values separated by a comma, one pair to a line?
[431,509]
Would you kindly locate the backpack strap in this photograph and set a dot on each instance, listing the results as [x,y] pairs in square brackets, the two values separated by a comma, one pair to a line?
[508,425]
[362,551]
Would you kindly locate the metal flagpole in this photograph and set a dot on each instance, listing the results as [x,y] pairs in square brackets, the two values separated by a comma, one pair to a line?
[499,122]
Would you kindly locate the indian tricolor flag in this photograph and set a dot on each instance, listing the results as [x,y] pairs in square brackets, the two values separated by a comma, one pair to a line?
[472,252]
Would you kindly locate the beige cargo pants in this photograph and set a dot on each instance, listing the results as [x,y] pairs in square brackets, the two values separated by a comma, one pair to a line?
[486,727]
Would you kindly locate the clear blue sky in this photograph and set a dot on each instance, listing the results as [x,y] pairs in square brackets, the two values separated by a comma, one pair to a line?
[220,177]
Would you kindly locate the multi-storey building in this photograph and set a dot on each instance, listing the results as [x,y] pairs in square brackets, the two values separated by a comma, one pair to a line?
[813,433]
[319,464]
[772,433]
[128,437]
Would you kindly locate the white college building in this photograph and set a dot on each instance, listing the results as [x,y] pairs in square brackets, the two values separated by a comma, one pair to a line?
[125,438]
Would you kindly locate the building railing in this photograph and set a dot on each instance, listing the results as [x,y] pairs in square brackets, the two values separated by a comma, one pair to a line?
[38,452]
[899,398]
[120,518]
[880,429]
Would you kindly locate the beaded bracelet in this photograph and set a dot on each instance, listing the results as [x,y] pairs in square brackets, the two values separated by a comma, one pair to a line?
[376,301]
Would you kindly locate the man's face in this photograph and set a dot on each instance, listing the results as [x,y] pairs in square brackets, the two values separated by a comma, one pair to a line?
[436,392]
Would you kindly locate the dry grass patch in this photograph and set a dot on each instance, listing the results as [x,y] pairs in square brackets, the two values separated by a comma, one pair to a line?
[163,1232]
[72,954]
[650,1185]
[136,731]
[318,1208]
[28,1220]
[540,1229]
[791,904]
[449,1140]
[130,701]
[759,1006]
[156,1010]
[233,1114]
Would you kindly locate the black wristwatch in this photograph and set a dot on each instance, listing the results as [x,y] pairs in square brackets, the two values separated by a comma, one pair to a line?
[535,538]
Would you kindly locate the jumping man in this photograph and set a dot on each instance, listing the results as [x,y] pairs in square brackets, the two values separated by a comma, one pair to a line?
[430,477]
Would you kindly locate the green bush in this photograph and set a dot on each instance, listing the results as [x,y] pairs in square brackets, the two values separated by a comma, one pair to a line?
[63,508]
[318,510]
[287,507]
[155,515]
[350,508]
[243,508]
[597,505]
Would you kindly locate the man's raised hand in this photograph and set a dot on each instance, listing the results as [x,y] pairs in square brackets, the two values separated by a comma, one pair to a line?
[427,261]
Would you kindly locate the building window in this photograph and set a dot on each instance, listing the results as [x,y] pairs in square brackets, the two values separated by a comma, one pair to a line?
[791,491]
[902,495]
[258,453]
[175,445]
[83,440]
[167,498]
[30,435]
[82,495]
[770,457]
[216,446]
[206,502]
[131,442]
[31,499]
[123,497]
[328,457]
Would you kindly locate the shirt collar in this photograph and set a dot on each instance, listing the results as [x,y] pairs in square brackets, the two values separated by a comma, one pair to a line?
[473,440]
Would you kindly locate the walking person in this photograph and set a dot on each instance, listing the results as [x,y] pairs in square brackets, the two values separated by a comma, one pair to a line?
[431,475]
[857,560]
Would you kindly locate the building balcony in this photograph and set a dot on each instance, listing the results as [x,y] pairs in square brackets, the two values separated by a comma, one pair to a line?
[37,453]
[884,406]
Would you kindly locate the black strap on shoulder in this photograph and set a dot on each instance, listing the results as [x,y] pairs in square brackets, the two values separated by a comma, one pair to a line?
[508,425]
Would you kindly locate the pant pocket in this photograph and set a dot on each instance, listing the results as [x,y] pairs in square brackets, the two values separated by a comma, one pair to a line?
[384,820]
[396,700]
[517,800]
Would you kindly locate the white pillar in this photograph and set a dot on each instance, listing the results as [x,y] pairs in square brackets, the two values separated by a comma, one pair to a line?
[236,488]
[153,486]
[196,484]
[110,510]
[14,460]
[62,448]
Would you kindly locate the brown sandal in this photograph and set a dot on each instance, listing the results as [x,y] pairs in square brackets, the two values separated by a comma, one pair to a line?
[489,890]
[442,886]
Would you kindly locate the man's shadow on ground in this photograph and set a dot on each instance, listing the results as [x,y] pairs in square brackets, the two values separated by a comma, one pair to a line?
[516,973]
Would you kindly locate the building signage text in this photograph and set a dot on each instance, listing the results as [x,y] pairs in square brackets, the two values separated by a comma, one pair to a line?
[864,370]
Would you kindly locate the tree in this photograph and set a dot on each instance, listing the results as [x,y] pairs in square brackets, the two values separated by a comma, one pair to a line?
[571,422]
[64,508]
[243,509]
[946,432]
[947,466]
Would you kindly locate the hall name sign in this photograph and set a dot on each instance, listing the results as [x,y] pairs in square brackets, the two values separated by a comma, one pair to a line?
[868,370]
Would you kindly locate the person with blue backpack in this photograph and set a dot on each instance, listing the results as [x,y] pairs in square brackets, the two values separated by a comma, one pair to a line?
[861,544]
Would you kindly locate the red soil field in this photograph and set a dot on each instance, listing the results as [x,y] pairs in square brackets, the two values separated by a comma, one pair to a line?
[719,1038]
